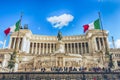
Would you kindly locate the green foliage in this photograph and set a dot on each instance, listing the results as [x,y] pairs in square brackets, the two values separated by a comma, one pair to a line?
[11,63]
[110,60]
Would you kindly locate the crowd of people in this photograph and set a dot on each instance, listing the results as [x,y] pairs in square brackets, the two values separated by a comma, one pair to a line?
[72,69]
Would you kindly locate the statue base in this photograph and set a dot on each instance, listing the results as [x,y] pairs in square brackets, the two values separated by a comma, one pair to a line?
[60,47]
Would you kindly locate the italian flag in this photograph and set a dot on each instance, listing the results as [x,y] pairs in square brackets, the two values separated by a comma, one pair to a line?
[93,25]
[14,28]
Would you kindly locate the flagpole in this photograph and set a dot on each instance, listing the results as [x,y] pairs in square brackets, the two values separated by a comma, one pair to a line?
[16,47]
[100,21]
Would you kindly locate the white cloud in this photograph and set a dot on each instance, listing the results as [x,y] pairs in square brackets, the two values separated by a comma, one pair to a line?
[107,32]
[1,42]
[60,21]
[117,43]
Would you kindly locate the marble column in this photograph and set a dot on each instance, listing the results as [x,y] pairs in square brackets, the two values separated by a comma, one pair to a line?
[46,48]
[36,48]
[14,43]
[85,46]
[71,47]
[32,47]
[67,47]
[99,43]
[43,48]
[10,43]
[103,43]
[78,48]
[53,47]
[74,49]
[39,48]
[18,44]
[81,49]
[50,47]
[95,44]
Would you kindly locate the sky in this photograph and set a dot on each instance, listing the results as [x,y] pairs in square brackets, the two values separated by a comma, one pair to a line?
[46,17]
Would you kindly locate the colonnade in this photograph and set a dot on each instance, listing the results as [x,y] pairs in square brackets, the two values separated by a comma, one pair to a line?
[46,48]
[16,43]
[77,48]
[50,47]
[42,48]
[101,43]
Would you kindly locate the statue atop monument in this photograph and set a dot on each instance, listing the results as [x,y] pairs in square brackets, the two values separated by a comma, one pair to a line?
[60,45]
[59,36]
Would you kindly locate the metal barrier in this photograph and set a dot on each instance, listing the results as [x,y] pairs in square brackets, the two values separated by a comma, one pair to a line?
[60,76]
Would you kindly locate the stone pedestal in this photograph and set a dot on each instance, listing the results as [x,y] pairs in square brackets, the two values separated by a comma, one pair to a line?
[60,47]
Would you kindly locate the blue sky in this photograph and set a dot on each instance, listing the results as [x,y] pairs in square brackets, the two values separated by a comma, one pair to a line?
[36,13]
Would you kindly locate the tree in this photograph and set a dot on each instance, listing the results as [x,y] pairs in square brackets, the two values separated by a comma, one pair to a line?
[110,61]
[11,62]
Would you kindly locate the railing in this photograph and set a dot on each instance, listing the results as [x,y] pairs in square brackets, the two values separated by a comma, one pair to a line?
[60,76]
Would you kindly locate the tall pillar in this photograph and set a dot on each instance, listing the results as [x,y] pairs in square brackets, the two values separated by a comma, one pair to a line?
[90,47]
[99,43]
[53,47]
[106,44]
[32,47]
[43,48]
[78,48]
[27,48]
[50,47]
[36,48]
[103,43]
[85,47]
[74,48]
[24,42]
[95,44]
[28,45]
[14,43]
[39,48]
[46,48]
[10,43]
[71,47]
[67,47]
[18,44]
[81,49]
